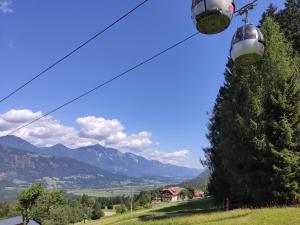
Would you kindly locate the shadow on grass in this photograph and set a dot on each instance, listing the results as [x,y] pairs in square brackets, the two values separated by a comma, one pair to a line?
[229,218]
[195,206]
[190,208]
[165,216]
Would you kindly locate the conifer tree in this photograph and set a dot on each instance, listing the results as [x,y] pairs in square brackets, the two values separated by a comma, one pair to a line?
[254,131]
[289,20]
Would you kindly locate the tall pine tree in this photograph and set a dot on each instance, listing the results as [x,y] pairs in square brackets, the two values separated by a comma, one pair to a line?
[255,128]
[289,20]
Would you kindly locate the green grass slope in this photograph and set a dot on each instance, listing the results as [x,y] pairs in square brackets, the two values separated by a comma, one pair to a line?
[274,216]
[204,212]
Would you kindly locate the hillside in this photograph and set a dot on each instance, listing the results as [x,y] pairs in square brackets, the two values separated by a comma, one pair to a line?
[19,168]
[203,211]
[198,181]
[109,159]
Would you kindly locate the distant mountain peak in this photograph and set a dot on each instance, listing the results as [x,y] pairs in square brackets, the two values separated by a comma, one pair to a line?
[12,137]
[94,147]
[108,159]
[16,142]
[59,146]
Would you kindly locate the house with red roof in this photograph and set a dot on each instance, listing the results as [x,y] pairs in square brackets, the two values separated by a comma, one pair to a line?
[171,194]
[199,194]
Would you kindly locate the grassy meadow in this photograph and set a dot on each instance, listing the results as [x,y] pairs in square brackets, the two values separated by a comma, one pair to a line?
[204,212]
[111,192]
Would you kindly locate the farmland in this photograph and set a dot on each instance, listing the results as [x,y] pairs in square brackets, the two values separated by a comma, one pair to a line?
[112,192]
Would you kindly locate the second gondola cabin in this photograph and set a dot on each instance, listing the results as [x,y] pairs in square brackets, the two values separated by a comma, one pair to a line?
[247,45]
[212,16]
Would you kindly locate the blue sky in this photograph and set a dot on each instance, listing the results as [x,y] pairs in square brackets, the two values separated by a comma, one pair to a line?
[169,97]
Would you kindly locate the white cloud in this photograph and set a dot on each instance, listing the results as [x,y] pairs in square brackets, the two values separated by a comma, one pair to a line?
[6,6]
[138,141]
[20,116]
[45,132]
[92,130]
[179,157]
[99,128]
[111,133]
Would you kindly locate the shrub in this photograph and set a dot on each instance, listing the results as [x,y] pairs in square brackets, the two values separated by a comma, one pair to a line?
[97,213]
[121,209]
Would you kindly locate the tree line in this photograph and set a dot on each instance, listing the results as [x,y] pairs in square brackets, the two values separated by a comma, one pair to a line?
[7,209]
[52,207]
[55,207]
[254,130]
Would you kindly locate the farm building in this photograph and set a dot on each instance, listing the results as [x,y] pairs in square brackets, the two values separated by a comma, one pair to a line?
[171,194]
[199,194]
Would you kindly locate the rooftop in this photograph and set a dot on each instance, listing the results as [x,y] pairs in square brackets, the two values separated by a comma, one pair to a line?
[15,220]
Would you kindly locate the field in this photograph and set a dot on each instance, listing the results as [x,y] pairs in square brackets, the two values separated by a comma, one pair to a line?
[111,192]
[203,212]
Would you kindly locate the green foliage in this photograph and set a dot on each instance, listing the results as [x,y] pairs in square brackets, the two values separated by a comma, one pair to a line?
[58,215]
[199,181]
[85,200]
[45,203]
[49,207]
[144,198]
[27,199]
[110,206]
[7,209]
[204,188]
[97,213]
[184,193]
[190,192]
[288,19]
[109,202]
[121,209]
[255,128]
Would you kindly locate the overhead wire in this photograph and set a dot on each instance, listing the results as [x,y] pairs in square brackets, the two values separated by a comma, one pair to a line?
[72,52]
[106,82]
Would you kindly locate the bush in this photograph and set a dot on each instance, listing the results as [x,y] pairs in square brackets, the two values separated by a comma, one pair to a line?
[144,199]
[97,213]
[58,216]
[7,210]
[121,209]
[184,194]
[110,206]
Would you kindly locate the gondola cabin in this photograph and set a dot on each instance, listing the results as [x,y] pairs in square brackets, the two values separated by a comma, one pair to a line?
[247,45]
[212,16]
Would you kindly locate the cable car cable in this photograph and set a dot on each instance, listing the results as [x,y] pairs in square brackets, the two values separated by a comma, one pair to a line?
[107,82]
[73,51]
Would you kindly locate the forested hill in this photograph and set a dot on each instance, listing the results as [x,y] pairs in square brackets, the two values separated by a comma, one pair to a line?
[18,168]
[199,181]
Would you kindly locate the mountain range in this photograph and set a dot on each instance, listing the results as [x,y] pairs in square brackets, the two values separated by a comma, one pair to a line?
[90,162]
[19,168]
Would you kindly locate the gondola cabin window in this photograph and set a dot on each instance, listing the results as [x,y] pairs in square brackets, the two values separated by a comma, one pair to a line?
[238,35]
[250,33]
